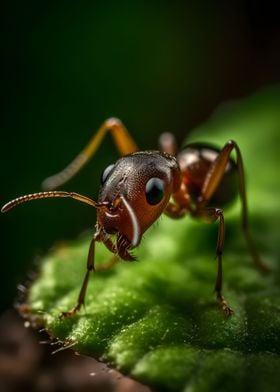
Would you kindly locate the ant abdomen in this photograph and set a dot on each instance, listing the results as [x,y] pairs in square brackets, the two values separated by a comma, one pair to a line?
[195,161]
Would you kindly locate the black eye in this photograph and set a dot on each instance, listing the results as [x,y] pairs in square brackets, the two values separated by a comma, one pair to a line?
[106,173]
[154,191]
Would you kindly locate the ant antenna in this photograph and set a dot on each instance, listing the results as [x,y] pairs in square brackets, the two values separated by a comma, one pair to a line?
[45,195]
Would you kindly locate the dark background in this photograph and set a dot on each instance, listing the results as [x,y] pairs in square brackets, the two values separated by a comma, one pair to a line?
[67,66]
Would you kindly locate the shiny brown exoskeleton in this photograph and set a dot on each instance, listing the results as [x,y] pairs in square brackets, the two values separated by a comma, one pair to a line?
[140,186]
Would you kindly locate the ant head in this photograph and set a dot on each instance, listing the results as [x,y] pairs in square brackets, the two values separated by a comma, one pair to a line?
[136,190]
[134,193]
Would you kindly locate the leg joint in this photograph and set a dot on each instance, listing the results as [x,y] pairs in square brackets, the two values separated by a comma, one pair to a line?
[219,213]
[112,122]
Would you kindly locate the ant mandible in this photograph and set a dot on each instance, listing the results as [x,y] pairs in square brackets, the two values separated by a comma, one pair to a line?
[142,185]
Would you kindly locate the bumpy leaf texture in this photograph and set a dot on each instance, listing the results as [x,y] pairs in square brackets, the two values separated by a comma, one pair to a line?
[157,319]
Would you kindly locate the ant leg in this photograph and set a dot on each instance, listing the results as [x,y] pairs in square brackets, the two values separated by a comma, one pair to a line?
[212,215]
[212,181]
[175,211]
[180,205]
[82,294]
[124,143]
[109,264]
[167,143]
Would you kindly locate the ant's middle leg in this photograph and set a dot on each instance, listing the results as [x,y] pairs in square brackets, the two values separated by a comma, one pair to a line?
[167,143]
[213,180]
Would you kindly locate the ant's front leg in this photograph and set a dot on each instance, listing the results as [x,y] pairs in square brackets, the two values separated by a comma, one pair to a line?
[211,215]
[82,294]
[91,267]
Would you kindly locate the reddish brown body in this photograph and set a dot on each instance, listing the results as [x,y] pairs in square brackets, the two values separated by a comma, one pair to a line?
[128,177]
[195,161]
[142,185]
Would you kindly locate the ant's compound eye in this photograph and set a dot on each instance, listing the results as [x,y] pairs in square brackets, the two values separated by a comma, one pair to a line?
[154,191]
[106,173]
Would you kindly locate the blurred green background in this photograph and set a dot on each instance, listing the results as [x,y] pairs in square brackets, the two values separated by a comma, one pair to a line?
[67,66]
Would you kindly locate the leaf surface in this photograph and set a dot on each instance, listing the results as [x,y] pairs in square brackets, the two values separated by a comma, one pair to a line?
[157,319]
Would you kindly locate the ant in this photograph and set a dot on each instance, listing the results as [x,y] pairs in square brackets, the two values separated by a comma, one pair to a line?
[142,185]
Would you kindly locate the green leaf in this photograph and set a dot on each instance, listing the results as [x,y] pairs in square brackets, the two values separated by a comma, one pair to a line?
[157,319]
